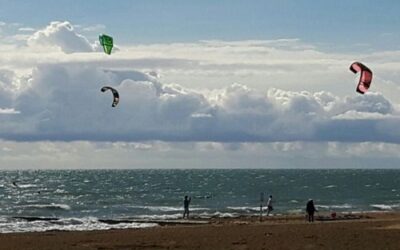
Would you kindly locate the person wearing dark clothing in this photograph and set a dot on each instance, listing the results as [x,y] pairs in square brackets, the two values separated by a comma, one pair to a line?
[269,205]
[310,210]
[186,203]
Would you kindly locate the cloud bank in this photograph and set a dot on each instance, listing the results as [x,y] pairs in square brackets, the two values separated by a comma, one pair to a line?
[157,154]
[292,105]
[63,102]
[54,95]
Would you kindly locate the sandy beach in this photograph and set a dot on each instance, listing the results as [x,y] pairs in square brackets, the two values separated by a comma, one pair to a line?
[372,231]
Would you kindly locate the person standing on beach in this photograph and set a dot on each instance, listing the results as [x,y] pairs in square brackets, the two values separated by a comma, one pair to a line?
[269,205]
[186,203]
[310,208]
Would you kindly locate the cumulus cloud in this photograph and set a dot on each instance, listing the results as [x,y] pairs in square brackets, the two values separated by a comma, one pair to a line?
[64,102]
[61,35]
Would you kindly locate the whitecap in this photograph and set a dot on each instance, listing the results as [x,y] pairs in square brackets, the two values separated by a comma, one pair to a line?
[66,224]
[60,191]
[218,215]
[48,206]
[342,206]
[382,206]
[247,209]
[168,208]
[26,185]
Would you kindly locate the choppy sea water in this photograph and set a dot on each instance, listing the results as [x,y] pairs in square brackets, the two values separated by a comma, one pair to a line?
[80,199]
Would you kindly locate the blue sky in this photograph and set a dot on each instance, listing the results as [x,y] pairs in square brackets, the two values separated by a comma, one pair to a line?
[262,84]
[341,23]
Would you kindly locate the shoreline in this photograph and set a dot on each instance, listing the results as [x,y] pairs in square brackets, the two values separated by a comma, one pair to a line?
[372,231]
[72,224]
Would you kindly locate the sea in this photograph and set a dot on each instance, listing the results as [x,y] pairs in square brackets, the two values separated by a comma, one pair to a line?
[76,200]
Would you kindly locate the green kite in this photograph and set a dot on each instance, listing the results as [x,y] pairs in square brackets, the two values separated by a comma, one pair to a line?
[107,43]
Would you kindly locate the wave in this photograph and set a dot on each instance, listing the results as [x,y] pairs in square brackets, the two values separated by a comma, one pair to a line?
[51,206]
[246,209]
[159,217]
[218,215]
[209,196]
[65,224]
[26,185]
[330,186]
[168,208]
[203,215]
[33,218]
[343,206]
[60,191]
[296,211]
[385,206]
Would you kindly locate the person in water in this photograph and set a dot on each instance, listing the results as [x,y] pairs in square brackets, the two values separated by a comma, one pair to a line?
[310,208]
[269,205]
[186,203]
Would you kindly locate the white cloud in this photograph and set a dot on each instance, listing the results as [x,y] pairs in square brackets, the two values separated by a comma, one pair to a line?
[64,102]
[61,35]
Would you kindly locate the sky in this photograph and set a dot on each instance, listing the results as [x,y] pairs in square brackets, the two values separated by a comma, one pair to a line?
[203,84]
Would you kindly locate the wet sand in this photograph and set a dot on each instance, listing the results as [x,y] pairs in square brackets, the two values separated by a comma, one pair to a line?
[373,231]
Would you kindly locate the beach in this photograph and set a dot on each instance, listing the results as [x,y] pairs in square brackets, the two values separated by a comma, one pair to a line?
[371,231]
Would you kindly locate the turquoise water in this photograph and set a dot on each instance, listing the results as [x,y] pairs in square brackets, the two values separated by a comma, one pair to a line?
[81,197]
